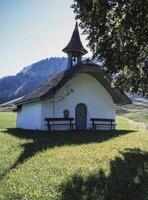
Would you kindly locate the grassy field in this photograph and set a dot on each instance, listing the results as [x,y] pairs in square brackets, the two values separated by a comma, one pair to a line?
[137,113]
[73,166]
[7,120]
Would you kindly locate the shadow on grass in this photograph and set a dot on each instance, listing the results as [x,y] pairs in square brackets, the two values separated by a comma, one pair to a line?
[128,180]
[42,140]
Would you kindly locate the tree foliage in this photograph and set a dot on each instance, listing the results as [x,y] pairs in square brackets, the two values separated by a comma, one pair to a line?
[118,34]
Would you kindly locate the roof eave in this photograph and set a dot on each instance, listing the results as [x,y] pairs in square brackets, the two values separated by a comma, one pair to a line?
[119,98]
[27,101]
[70,50]
[124,102]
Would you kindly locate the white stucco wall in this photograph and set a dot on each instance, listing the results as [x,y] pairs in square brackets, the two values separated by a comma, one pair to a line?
[19,119]
[82,88]
[30,116]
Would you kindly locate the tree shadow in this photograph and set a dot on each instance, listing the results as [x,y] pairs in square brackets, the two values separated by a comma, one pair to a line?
[128,180]
[42,140]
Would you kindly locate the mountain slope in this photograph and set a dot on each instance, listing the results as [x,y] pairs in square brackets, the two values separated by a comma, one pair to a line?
[29,78]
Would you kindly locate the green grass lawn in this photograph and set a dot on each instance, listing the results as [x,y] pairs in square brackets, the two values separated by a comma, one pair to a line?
[137,113]
[73,166]
[7,120]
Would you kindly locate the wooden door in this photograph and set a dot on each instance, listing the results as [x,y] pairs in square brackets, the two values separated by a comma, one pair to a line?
[81,117]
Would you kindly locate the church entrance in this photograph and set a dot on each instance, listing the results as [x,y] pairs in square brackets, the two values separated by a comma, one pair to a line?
[81,117]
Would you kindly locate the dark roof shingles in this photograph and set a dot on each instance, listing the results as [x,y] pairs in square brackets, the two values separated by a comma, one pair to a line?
[51,85]
[42,89]
[75,44]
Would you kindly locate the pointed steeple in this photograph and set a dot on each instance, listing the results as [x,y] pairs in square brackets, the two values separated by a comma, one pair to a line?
[75,49]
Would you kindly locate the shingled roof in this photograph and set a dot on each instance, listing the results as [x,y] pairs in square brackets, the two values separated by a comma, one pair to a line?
[75,44]
[47,89]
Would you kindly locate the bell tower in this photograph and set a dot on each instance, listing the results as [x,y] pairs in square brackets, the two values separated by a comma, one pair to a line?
[75,49]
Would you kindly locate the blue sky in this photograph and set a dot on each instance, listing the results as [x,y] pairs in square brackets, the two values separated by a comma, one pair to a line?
[31,30]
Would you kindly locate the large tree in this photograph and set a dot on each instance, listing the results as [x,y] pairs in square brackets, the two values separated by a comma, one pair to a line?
[118,36]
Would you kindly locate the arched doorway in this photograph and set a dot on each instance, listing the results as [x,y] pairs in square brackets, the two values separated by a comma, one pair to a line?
[81,117]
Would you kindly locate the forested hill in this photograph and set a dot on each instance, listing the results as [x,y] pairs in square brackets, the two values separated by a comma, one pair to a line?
[12,87]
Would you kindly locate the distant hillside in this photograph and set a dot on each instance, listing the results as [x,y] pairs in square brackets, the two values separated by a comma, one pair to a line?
[12,87]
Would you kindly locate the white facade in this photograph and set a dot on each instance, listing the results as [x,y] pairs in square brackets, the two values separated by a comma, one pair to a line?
[82,88]
[30,116]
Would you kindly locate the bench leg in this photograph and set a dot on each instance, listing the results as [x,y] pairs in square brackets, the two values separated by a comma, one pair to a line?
[49,127]
[93,126]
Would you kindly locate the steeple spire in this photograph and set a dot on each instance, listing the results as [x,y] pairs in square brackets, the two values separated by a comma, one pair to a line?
[75,49]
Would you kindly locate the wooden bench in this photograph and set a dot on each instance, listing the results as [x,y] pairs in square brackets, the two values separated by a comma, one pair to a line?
[54,122]
[102,122]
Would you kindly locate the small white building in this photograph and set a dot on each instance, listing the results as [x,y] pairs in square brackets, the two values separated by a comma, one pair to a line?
[79,98]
